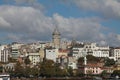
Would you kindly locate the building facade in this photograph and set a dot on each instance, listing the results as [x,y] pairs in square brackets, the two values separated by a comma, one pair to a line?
[34,58]
[51,54]
[90,49]
[15,50]
[116,53]
[4,53]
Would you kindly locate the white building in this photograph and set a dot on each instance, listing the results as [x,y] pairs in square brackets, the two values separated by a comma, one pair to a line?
[78,52]
[9,66]
[73,65]
[72,62]
[34,58]
[51,54]
[101,52]
[4,53]
[90,49]
[4,77]
[116,53]
[37,45]
[15,50]
[92,69]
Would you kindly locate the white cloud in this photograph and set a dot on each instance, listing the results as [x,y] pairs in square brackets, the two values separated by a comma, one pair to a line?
[4,23]
[24,20]
[108,8]
[113,39]
[33,3]
[118,37]
[27,24]
[81,28]
[25,1]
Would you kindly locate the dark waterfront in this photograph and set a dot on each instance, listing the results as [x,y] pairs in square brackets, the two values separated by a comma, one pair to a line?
[76,78]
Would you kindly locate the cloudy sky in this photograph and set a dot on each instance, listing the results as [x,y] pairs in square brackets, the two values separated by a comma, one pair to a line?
[85,20]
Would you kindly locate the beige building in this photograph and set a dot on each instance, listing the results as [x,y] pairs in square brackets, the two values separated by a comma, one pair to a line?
[42,54]
[62,52]
[34,58]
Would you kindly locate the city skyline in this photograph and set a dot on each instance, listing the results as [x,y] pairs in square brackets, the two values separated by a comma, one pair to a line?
[84,20]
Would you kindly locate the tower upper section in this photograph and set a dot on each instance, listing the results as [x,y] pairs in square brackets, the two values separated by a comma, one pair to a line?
[56,31]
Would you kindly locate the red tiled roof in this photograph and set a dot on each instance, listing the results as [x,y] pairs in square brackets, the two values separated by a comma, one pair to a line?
[63,50]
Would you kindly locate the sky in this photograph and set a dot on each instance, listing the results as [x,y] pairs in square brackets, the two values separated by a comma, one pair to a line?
[84,20]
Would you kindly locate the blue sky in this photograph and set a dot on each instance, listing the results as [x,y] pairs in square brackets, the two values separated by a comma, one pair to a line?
[85,20]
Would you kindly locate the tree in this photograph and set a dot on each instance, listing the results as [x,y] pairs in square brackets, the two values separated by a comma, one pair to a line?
[109,62]
[104,74]
[27,60]
[116,73]
[10,59]
[30,72]
[1,69]
[27,71]
[70,71]
[90,58]
[34,71]
[81,60]
[58,71]
[47,68]
[79,73]
[19,70]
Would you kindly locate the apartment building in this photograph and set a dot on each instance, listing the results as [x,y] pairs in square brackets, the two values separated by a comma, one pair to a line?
[4,53]
[115,53]
[34,58]
[90,49]
[15,50]
[51,54]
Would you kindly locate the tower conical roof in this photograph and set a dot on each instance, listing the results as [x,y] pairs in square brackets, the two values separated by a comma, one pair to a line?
[56,31]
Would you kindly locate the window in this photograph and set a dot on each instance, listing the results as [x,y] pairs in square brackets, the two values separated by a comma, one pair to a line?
[96,71]
[89,46]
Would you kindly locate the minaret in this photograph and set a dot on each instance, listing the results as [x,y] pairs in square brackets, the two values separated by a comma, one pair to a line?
[56,38]
[85,60]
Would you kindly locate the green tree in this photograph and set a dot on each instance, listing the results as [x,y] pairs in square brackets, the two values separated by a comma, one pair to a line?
[109,62]
[90,58]
[34,71]
[27,71]
[47,68]
[19,70]
[30,72]
[58,71]
[81,60]
[10,59]
[1,69]
[79,73]
[104,74]
[27,60]
[70,71]
[116,73]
